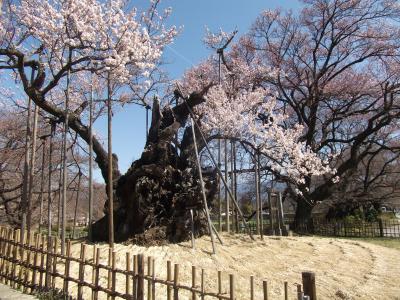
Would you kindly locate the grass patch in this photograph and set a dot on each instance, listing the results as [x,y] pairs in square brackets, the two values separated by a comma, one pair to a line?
[385,242]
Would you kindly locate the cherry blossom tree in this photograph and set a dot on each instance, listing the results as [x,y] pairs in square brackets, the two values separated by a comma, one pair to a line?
[338,78]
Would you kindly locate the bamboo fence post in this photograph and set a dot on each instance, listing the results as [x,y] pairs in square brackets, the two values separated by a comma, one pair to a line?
[114,275]
[17,249]
[35,260]
[202,284]
[81,271]
[128,269]
[219,283]
[286,290]
[140,285]
[134,279]
[2,260]
[148,280]
[109,271]
[7,252]
[194,283]
[15,257]
[265,290]
[97,275]
[55,263]
[169,279]
[299,292]
[251,287]
[93,269]
[28,263]
[176,282]
[9,255]
[153,278]
[41,270]
[231,286]
[67,267]
[47,282]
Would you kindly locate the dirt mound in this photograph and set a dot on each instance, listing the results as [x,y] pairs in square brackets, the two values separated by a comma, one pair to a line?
[345,269]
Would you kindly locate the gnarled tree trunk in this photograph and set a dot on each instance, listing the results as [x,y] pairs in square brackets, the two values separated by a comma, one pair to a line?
[154,197]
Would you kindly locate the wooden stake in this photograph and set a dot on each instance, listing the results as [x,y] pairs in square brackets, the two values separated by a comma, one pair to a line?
[286,291]
[55,263]
[265,290]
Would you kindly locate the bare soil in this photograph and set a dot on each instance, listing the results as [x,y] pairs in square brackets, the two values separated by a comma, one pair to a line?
[345,269]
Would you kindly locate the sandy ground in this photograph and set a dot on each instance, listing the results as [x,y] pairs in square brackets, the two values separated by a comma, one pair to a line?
[345,269]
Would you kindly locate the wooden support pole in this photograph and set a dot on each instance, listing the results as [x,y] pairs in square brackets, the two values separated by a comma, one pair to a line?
[309,286]
[227,210]
[32,172]
[260,205]
[202,187]
[90,235]
[42,183]
[65,168]
[257,195]
[49,185]
[219,189]
[110,187]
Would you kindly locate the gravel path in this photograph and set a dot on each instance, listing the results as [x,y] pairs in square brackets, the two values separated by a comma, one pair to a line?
[7,293]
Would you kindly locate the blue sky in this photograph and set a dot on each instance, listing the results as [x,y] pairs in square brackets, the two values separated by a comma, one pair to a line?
[187,50]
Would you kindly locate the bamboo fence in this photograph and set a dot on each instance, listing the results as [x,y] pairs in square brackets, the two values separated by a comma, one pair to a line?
[34,266]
